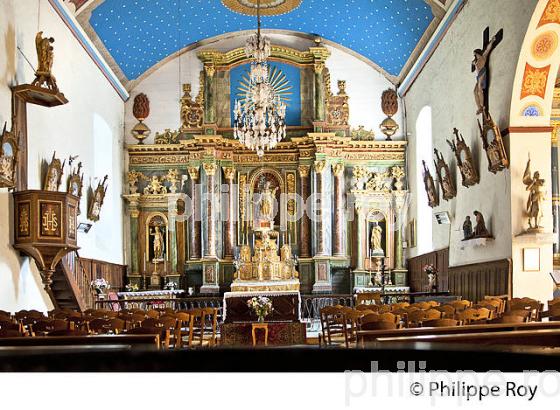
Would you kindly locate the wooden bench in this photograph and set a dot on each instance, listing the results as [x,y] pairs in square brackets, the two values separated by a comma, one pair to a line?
[543,337]
[130,341]
[366,337]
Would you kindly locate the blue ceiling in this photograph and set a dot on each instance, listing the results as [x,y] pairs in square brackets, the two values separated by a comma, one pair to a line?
[140,33]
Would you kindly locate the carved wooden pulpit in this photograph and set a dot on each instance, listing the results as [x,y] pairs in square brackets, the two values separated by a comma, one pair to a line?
[45,228]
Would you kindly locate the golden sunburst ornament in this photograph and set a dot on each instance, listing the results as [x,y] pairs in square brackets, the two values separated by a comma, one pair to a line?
[278,82]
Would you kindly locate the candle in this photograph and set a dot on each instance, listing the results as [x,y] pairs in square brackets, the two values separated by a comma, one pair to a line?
[144,261]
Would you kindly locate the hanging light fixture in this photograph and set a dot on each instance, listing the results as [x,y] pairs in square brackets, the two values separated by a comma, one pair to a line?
[260,119]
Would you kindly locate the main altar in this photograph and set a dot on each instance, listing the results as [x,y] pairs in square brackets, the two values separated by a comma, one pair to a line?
[209,214]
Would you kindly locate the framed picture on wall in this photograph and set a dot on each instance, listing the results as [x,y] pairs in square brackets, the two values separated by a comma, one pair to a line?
[412,233]
[531,259]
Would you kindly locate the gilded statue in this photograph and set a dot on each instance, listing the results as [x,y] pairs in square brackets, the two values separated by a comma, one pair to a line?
[376,235]
[534,184]
[266,202]
[158,243]
[155,187]
[433,198]
[43,73]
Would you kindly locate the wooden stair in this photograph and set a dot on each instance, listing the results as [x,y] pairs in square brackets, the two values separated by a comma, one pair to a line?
[68,290]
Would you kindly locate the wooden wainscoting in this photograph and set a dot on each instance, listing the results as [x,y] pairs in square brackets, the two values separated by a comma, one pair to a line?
[115,274]
[477,280]
[418,280]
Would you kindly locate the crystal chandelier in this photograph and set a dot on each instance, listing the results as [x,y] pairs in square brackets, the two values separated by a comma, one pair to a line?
[260,120]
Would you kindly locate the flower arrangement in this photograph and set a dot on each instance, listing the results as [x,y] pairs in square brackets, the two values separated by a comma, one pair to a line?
[100,285]
[431,271]
[170,285]
[261,305]
[132,287]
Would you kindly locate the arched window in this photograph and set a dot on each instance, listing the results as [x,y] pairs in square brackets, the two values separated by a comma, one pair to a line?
[423,152]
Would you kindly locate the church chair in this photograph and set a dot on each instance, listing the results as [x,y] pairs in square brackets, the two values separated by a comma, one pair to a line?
[421,305]
[10,333]
[353,324]
[415,318]
[68,332]
[42,327]
[432,303]
[440,323]
[384,309]
[524,313]
[12,326]
[333,325]
[5,318]
[211,325]
[379,325]
[100,326]
[136,320]
[399,305]
[389,317]
[447,311]
[168,326]
[433,314]
[181,330]
[368,298]
[196,328]
[117,325]
[460,305]
[80,323]
[555,301]
[532,308]
[5,313]
[153,313]
[492,307]
[374,317]
[507,318]
[373,308]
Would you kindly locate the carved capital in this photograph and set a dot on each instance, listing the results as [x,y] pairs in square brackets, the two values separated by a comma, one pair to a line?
[338,169]
[193,172]
[229,173]
[210,168]
[319,166]
[304,170]
[210,69]
[319,66]
[134,213]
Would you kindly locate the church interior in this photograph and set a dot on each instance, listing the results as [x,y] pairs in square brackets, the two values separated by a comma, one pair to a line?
[282,177]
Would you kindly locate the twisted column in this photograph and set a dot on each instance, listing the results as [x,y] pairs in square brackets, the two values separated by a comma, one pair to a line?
[338,227]
[194,221]
[304,232]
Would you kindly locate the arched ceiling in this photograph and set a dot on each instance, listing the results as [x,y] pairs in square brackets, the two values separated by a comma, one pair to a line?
[139,33]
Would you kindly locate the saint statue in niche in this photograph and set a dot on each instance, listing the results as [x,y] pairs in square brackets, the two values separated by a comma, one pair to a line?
[376,237]
[158,243]
[266,202]
[534,185]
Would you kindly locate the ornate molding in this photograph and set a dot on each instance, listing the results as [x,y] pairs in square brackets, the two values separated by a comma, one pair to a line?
[319,166]
[210,168]
[304,170]
[338,169]
[229,173]
[193,173]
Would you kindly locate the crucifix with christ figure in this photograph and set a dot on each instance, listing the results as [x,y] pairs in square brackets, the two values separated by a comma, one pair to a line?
[480,67]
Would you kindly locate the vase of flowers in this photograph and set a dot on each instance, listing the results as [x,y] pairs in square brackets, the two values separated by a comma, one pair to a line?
[131,287]
[170,285]
[432,272]
[100,285]
[261,305]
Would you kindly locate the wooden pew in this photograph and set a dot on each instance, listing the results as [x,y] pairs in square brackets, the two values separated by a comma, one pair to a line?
[366,337]
[131,342]
[542,337]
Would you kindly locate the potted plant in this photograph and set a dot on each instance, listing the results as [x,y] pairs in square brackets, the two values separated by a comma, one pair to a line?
[100,285]
[432,272]
[261,305]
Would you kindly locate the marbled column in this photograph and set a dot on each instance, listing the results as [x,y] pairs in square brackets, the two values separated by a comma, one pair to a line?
[321,249]
[134,213]
[194,222]
[209,105]
[230,231]
[319,92]
[400,197]
[210,245]
[304,232]
[173,241]
[338,227]
[360,245]
[555,194]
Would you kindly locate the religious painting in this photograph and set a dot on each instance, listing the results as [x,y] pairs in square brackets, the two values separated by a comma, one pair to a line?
[71,222]
[54,174]
[444,177]
[464,158]
[50,213]
[97,199]
[156,238]
[493,145]
[8,159]
[285,80]
[23,219]
[75,184]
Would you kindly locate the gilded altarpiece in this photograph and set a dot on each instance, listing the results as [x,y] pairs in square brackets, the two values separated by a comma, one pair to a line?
[220,183]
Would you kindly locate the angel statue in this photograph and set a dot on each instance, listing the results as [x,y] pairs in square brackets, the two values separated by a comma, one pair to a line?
[535,200]
[43,74]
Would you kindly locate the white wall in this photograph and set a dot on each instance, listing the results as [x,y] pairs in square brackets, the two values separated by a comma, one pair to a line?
[364,85]
[90,125]
[446,85]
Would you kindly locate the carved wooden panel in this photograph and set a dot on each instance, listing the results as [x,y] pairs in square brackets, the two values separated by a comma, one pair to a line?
[418,280]
[477,280]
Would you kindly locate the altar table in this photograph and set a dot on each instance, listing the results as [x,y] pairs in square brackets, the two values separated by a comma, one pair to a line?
[279,334]
[286,306]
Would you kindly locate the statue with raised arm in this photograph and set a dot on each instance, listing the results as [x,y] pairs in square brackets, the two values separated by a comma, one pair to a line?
[45,55]
[535,200]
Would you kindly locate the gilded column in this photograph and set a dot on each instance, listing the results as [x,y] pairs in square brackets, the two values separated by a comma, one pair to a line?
[210,237]
[304,232]
[319,167]
[134,213]
[194,222]
[338,227]
[209,105]
[230,231]
[361,241]
[319,92]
